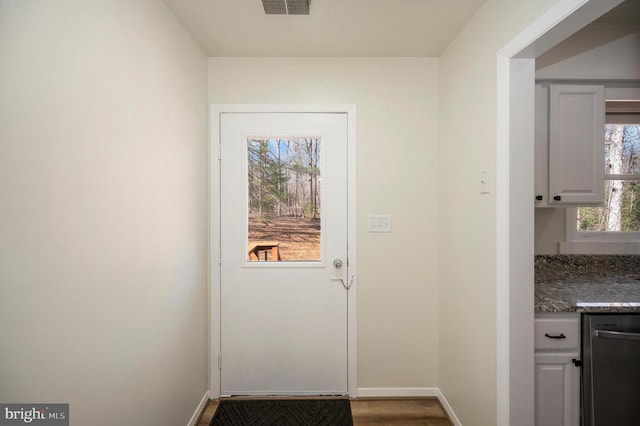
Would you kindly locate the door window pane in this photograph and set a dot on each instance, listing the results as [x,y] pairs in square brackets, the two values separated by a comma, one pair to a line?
[284,209]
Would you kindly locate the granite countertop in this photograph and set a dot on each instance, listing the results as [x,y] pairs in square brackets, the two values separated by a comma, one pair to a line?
[587,283]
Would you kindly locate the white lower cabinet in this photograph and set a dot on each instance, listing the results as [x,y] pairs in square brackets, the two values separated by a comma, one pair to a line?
[557,378]
[557,390]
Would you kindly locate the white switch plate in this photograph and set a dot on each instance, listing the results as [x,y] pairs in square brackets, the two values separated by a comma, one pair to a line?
[379,223]
[484,181]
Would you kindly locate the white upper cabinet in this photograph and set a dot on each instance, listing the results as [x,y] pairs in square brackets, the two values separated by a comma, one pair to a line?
[570,121]
[576,144]
[541,155]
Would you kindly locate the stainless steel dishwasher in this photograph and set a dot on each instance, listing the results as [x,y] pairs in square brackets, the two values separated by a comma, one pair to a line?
[610,370]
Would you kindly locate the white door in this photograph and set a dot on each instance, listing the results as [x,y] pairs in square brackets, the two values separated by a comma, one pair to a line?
[284,271]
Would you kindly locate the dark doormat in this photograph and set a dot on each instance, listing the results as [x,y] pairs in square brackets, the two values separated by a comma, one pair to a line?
[283,412]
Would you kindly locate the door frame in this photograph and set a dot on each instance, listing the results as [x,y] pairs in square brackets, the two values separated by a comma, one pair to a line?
[215,223]
[515,65]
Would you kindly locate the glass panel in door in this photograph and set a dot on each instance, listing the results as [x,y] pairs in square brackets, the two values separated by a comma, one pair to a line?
[284,199]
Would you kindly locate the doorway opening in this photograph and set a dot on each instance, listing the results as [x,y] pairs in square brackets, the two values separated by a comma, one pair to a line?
[515,200]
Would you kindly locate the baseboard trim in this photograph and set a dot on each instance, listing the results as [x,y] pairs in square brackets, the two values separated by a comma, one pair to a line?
[408,393]
[196,414]
[396,392]
[445,404]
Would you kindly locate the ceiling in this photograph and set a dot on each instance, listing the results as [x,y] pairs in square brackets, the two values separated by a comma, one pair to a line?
[342,28]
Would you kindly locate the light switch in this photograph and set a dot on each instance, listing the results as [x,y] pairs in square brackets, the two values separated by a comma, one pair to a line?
[484,181]
[379,223]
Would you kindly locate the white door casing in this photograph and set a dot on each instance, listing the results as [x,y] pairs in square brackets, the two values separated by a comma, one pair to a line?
[515,390]
[281,327]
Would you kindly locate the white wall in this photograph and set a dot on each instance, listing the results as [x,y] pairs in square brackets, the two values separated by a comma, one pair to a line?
[468,108]
[610,52]
[397,173]
[103,217]
[550,229]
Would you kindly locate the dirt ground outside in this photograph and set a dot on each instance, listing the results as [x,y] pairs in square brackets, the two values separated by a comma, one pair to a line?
[299,238]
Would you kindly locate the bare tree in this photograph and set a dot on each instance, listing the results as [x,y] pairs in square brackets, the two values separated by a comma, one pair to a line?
[313,150]
[615,166]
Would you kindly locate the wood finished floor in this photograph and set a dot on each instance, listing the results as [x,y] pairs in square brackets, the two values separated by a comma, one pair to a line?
[377,411]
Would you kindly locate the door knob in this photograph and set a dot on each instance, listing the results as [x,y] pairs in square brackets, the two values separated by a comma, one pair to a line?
[337,263]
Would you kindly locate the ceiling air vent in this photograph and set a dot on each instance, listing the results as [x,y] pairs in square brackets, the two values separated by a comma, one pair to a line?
[286,7]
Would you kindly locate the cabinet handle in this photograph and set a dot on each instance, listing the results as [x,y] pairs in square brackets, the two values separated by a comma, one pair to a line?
[557,198]
[559,336]
[576,362]
[539,197]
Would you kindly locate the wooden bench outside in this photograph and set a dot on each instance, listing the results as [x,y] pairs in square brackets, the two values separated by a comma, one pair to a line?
[264,247]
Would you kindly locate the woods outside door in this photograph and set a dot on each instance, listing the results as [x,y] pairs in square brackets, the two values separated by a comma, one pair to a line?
[283,263]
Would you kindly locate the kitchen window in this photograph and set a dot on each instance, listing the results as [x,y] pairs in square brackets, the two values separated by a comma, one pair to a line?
[614,227]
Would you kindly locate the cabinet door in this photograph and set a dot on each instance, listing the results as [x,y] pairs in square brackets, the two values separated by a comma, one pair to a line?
[576,144]
[541,146]
[557,390]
